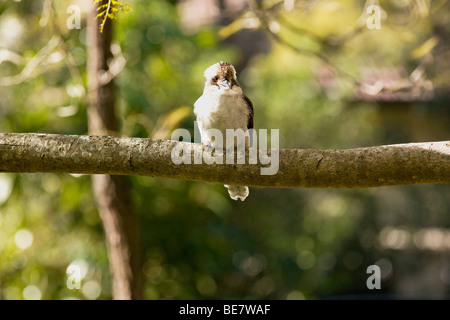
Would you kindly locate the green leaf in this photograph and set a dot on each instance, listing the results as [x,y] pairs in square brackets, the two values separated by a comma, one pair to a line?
[110,10]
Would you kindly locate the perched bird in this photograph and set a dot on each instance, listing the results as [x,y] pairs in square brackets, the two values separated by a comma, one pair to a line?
[223,106]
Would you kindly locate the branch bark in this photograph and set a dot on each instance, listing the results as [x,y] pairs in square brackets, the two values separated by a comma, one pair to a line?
[377,166]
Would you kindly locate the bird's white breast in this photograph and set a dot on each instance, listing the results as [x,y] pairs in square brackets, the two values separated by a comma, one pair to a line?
[220,111]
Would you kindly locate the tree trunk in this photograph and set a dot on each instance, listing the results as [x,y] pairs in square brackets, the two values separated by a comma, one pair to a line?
[112,193]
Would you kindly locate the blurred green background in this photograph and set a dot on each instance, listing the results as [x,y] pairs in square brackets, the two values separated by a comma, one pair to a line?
[313,69]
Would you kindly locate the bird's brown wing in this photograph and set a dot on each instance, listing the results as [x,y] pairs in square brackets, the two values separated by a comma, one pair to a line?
[250,113]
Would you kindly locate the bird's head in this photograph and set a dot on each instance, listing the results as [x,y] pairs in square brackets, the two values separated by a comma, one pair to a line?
[221,78]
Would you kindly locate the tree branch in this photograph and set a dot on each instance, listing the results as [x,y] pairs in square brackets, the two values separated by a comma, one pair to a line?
[377,166]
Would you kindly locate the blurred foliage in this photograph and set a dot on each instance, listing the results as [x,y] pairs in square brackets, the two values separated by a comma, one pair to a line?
[301,63]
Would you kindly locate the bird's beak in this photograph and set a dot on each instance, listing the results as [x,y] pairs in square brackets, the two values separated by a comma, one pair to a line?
[224,84]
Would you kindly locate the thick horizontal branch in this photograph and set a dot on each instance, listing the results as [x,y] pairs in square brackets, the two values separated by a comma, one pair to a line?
[351,168]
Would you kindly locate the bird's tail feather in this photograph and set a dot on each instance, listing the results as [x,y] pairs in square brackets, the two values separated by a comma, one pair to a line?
[237,192]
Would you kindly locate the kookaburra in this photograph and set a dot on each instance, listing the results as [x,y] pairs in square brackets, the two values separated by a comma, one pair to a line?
[223,106]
